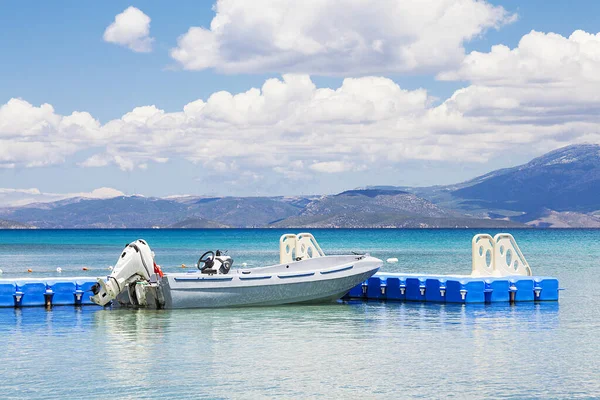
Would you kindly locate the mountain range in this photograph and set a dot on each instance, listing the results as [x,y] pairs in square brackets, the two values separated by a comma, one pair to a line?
[558,189]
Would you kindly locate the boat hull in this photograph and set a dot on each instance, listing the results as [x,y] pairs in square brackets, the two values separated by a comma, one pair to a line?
[309,281]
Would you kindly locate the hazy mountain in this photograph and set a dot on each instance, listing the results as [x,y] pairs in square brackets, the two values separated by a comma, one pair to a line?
[4,224]
[118,212]
[239,212]
[566,179]
[143,212]
[559,189]
[22,197]
[390,220]
[378,208]
[375,201]
[565,219]
[197,223]
[353,208]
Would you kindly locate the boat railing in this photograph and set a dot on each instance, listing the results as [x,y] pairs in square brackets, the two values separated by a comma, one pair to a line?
[294,247]
[497,256]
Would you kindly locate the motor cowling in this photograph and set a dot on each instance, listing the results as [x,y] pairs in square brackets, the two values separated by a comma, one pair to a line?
[136,263]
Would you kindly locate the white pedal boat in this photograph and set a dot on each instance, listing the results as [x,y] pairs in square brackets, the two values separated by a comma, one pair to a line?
[304,275]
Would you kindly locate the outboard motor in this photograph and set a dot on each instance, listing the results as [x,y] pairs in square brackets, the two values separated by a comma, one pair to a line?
[135,264]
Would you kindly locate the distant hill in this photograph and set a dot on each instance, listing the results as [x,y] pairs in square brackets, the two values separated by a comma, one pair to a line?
[4,224]
[564,219]
[559,189]
[143,212]
[375,208]
[118,212]
[197,223]
[390,220]
[349,209]
[566,179]
[240,212]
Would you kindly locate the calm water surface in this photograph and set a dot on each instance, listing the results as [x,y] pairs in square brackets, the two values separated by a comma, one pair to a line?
[366,350]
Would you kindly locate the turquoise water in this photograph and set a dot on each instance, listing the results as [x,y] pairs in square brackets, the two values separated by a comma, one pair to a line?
[366,350]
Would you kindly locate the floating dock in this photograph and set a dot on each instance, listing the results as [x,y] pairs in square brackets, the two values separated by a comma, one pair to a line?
[76,291]
[40,292]
[456,289]
[500,274]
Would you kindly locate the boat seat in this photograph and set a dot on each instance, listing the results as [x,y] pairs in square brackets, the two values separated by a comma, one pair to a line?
[209,271]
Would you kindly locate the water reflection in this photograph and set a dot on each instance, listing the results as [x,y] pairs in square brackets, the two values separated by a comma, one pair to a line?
[338,350]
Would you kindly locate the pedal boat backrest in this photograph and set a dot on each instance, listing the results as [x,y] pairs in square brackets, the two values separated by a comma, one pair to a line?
[497,256]
[298,247]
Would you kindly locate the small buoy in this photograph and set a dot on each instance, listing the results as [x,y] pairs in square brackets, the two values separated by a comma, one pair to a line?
[29,270]
[392,260]
[244,264]
[110,267]
[59,270]
[183,266]
[85,268]
[1,272]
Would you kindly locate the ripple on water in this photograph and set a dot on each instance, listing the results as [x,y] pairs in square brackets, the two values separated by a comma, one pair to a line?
[366,350]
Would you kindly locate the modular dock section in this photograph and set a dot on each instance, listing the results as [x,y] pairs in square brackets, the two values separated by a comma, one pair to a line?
[76,291]
[456,289]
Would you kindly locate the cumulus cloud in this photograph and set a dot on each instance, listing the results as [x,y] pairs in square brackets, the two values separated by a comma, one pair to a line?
[539,59]
[292,129]
[131,29]
[336,37]
[104,159]
[333,167]
[37,136]
[547,81]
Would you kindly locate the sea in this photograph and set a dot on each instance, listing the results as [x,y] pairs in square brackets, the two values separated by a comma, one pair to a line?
[341,350]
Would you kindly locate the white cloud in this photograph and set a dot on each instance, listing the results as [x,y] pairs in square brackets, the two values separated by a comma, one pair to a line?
[540,59]
[290,129]
[101,193]
[336,37]
[131,29]
[124,163]
[97,160]
[332,167]
[547,83]
[19,118]
[37,136]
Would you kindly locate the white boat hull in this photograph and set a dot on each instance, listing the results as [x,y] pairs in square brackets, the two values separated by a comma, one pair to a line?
[304,274]
[314,280]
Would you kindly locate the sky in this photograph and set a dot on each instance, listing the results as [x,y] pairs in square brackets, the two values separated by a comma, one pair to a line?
[287,98]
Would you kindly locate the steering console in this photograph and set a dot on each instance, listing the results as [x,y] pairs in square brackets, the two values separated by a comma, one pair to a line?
[206,262]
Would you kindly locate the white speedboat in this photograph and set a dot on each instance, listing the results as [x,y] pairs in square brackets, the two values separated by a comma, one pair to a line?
[304,275]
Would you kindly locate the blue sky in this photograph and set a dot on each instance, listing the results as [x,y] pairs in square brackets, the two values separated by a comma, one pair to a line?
[54,52]
[57,54]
